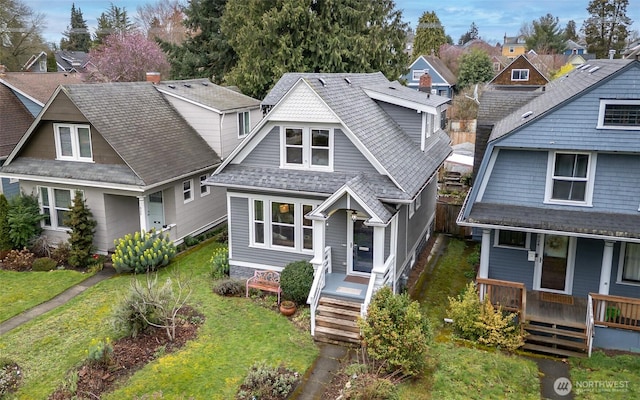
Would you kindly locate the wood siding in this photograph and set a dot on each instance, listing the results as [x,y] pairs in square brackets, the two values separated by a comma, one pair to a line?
[535,77]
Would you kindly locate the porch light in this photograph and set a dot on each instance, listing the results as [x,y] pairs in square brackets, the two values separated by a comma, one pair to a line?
[354,215]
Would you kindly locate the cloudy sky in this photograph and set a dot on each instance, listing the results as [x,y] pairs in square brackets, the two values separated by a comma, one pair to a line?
[494,18]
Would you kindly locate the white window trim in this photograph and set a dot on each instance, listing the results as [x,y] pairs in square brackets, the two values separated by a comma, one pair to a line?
[306,148]
[591,169]
[247,126]
[53,215]
[418,201]
[416,74]
[75,145]
[496,242]
[619,280]
[207,188]
[298,226]
[412,208]
[519,70]
[603,106]
[191,196]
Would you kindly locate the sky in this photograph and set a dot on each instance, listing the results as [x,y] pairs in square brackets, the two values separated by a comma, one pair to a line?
[494,18]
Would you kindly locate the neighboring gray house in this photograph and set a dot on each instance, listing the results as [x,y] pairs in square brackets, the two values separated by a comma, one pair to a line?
[341,172]
[138,162]
[556,202]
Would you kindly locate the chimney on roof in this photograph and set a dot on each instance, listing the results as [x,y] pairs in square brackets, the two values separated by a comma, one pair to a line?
[425,83]
[153,77]
[3,70]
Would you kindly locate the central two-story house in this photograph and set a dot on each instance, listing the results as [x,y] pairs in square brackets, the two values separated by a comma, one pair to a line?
[340,172]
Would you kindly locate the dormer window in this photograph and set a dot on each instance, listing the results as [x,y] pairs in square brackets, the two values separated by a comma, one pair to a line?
[519,74]
[306,147]
[73,142]
[619,114]
[570,178]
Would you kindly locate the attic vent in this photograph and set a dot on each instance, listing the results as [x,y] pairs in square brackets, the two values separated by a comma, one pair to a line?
[322,82]
[594,69]
[348,81]
[392,88]
[187,85]
[171,86]
[527,114]
[205,83]
[585,66]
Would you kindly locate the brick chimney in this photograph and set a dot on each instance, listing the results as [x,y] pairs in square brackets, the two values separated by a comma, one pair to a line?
[153,77]
[3,70]
[425,83]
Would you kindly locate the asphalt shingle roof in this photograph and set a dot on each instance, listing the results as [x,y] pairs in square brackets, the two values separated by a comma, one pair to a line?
[442,69]
[15,119]
[204,92]
[497,104]
[40,86]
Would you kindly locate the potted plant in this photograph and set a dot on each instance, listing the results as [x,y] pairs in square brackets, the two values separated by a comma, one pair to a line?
[287,307]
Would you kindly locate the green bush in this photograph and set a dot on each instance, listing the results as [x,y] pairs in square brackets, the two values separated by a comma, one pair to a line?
[100,352]
[18,260]
[229,287]
[80,220]
[23,218]
[132,314]
[142,252]
[44,264]
[220,263]
[5,241]
[191,241]
[395,332]
[296,280]
[10,376]
[465,311]
[264,382]
[61,252]
[371,387]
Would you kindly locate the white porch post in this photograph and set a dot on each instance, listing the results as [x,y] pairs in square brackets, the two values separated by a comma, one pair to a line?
[484,254]
[318,243]
[605,271]
[378,253]
[142,210]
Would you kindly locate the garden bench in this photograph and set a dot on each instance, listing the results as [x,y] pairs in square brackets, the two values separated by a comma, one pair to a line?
[269,281]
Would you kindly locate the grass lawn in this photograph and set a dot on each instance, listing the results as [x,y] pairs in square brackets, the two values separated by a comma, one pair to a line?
[24,290]
[236,333]
[615,377]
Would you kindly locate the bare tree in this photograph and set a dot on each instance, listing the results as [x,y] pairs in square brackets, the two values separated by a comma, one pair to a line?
[20,33]
[163,20]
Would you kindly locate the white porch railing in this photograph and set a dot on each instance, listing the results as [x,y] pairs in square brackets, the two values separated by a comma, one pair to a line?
[376,281]
[319,280]
[590,323]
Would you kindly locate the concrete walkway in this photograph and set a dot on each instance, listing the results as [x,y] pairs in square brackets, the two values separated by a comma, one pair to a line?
[554,378]
[331,359]
[59,300]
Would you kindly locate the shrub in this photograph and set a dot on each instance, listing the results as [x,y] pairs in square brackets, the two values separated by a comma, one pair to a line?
[465,310]
[80,220]
[60,253]
[19,260]
[395,332]
[191,241]
[10,376]
[371,387]
[220,263]
[229,287]
[44,264]
[296,280]
[41,246]
[142,252]
[100,352]
[264,382]
[5,241]
[130,315]
[23,218]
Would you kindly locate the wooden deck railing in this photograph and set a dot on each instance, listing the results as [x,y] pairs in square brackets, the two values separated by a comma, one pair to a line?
[616,311]
[512,296]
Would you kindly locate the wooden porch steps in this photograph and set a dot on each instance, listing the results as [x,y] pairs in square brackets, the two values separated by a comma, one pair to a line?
[336,320]
[561,338]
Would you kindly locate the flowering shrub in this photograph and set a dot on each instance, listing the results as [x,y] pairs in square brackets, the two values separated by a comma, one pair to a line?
[220,263]
[142,252]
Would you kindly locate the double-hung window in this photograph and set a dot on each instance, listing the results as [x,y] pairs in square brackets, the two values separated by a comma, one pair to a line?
[244,125]
[519,74]
[619,114]
[570,178]
[310,148]
[204,189]
[55,204]
[280,224]
[73,142]
[629,264]
[187,190]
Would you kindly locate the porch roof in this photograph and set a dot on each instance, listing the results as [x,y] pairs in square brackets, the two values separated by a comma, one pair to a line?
[613,225]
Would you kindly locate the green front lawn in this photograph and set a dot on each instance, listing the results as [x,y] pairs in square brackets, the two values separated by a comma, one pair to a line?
[615,377]
[24,290]
[237,332]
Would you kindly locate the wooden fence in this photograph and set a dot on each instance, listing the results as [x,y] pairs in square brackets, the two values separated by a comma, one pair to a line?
[446,215]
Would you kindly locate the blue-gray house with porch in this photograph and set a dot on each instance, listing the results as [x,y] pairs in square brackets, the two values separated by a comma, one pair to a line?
[342,172]
[556,204]
[442,80]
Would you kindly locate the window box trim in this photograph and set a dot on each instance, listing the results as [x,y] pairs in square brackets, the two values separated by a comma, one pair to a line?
[307,148]
[601,112]
[591,169]
[75,142]
[520,70]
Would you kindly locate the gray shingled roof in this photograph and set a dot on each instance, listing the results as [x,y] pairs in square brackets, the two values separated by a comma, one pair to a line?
[497,104]
[143,128]
[395,89]
[442,69]
[367,194]
[558,92]
[120,174]
[204,92]
[581,222]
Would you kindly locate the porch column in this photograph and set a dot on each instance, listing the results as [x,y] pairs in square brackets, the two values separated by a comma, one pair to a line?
[605,270]
[484,254]
[318,243]
[378,248]
[142,211]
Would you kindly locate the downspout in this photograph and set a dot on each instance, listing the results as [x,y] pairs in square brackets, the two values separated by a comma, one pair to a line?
[222,156]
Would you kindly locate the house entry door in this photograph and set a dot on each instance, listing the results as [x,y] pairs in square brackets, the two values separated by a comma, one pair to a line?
[554,265]
[155,211]
[362,247]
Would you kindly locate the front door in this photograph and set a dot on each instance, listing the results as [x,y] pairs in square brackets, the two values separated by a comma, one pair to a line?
[362,261]
[554,265]
[155,211]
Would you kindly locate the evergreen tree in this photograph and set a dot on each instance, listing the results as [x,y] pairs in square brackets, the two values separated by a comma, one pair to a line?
[115,20]
[607,28]
[278,36]
[429,35]
[570,31]
[475,67]
[5,242]
[471,34]
[77,36]
[80,220]
[547,37]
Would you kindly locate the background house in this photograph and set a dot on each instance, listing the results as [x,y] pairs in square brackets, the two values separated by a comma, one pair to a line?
[520,74]
[513,46]
[443,81]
